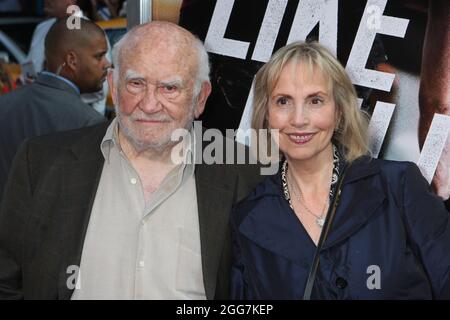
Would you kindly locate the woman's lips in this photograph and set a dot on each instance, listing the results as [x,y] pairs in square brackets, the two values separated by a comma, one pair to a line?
[300,138]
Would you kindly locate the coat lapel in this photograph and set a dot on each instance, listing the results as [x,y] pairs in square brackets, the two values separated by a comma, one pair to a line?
[81,177]
[362,194]
[214,197]
[272,225]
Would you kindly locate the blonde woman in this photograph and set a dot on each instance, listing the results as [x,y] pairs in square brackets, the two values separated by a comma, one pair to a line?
[333,223]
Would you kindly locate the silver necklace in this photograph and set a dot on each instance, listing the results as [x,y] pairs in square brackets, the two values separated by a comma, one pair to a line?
[320,219]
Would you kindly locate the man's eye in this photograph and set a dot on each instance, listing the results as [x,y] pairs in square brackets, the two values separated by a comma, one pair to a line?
[170,88]
[135,86]
[135,83]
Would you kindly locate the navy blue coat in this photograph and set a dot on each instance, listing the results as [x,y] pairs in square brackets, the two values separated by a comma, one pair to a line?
[390,240]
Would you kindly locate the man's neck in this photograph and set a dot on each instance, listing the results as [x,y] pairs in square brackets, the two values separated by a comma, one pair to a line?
[154,155]
[152,166]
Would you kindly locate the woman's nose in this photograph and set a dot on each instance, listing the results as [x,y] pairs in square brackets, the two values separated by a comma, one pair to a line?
[300,116]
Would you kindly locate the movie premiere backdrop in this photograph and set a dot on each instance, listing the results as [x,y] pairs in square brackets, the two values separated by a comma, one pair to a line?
[394,51]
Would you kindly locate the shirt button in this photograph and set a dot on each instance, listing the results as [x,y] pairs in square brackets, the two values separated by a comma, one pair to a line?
[141,264]
[133,181]
[341,283]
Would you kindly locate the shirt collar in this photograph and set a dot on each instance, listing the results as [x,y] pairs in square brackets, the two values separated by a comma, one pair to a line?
[109,140]
[70,83]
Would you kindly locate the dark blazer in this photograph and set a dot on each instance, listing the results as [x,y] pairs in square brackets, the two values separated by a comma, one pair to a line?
[46,106]
[390,240]
[47,205]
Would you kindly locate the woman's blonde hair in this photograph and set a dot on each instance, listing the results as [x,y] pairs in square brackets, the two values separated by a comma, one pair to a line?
[351,130]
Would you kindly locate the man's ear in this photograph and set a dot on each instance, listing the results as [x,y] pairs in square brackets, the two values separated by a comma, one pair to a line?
[111,85]
[72,61]
[201,99]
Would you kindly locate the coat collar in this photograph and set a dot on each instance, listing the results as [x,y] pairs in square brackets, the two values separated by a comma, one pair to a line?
[271,223]
[56,83]
[362,194]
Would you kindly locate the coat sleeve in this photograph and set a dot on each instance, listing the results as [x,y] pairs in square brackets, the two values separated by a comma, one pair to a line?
[428,227]
[13,216]
[238,286]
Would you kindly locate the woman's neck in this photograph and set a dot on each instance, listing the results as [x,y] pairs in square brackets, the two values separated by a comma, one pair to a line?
[313,175]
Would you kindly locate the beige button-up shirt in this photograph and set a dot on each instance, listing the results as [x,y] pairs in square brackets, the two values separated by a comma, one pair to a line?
[139,250]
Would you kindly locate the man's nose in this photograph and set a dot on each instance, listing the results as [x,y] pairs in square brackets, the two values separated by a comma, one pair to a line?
[150,102]
[106,63]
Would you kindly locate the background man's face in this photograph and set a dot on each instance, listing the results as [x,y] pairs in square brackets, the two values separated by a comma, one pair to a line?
[57,8]
[93,64]
[148,119]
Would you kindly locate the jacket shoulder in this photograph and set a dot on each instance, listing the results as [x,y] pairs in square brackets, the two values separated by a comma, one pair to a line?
[397,170]
[66,139]
[391,169]
[268,188]
[43,151]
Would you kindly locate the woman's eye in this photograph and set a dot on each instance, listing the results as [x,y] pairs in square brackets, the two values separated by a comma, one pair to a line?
[316,101]
[282,101]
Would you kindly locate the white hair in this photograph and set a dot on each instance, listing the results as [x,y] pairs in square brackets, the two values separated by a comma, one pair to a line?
[203,67]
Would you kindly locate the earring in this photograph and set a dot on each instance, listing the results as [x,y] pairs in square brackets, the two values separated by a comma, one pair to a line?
[58,71]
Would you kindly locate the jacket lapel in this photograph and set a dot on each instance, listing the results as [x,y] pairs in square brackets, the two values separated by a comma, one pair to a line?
[362,194]
[272,225]
[81,176]
[214,197]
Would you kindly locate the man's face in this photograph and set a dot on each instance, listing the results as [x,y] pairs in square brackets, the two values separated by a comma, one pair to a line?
[93,65]
[154,95]
[57,8]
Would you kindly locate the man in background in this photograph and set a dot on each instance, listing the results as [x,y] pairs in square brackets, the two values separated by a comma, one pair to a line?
[52,103]
[56,9]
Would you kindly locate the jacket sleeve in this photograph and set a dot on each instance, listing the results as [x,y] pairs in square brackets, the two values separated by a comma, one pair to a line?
[13,216]
[428,227]
[238,286]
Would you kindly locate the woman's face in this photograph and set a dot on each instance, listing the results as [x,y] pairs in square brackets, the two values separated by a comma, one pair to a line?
[303,109]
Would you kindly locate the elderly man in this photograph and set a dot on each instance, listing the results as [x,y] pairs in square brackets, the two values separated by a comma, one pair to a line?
[105,210]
